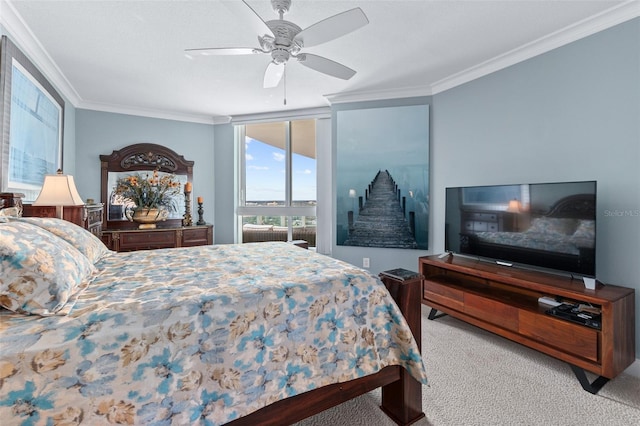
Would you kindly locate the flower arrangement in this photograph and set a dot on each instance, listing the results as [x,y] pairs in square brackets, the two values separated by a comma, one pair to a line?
[149,192]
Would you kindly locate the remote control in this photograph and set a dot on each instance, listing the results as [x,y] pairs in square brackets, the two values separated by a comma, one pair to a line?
[549,301]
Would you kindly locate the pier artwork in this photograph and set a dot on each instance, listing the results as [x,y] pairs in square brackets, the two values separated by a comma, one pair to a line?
[381,220]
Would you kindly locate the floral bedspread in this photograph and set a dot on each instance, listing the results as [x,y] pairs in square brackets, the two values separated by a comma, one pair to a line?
[201,335]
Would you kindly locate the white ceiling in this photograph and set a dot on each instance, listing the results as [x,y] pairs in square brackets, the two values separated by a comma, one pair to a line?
[128,56]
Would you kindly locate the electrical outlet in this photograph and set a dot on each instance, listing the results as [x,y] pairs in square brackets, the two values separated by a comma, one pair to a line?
[365,262]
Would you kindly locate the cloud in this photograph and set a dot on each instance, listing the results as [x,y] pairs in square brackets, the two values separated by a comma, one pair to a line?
[248,157]
[258,168]
[278,156]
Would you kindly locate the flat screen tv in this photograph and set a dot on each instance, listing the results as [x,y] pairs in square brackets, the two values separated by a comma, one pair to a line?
[549,226]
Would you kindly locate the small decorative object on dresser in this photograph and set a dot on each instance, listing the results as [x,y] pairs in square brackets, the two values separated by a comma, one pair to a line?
[200,212]
[187,221]
[147,198]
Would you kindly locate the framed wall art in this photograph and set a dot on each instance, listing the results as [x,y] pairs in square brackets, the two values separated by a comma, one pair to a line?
[32,117]
[382,168]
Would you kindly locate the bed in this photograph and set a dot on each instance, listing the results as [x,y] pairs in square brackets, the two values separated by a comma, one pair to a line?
[562,237]
[264,333]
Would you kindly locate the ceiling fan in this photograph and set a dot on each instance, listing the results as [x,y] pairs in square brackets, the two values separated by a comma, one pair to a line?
[284,40]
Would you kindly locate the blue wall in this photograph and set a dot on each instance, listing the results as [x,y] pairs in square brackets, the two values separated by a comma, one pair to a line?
[570,114]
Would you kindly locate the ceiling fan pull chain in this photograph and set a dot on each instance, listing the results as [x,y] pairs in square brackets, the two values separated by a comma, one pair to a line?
[284,76]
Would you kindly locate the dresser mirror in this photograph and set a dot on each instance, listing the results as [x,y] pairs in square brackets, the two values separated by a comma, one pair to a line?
[141,158]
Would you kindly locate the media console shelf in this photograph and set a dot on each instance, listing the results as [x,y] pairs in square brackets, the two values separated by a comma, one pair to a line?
[504,301]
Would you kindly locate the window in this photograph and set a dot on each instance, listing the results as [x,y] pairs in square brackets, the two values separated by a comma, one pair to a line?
[277,200]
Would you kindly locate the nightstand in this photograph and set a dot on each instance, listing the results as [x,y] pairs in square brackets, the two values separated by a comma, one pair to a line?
[89,216]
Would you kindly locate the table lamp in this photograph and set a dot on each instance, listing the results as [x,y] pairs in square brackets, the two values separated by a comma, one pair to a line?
[58,190]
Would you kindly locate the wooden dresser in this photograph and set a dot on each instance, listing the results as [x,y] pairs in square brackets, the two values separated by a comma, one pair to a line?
[149,239]
[89,216]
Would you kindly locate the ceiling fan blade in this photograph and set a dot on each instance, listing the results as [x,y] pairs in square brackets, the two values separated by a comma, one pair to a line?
[246,14]
[332,27]
[219,51]
[273,75]
[326,66]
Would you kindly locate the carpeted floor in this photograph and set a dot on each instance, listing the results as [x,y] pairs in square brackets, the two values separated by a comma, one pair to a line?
[477,378]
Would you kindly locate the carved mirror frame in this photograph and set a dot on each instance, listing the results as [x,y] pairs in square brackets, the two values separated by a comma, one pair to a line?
[139,158]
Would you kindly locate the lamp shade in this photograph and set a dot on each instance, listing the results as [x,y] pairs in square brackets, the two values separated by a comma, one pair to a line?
[58,190]
[514,206]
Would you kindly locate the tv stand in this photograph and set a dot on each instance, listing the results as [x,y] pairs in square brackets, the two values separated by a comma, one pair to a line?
[504,301]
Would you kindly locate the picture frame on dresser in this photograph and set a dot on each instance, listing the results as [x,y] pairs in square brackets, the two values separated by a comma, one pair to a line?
[31,124]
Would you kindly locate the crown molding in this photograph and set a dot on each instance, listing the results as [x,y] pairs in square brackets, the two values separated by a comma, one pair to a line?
[294,114]
[151,113]
[602,21]
[22,36]
[377,95]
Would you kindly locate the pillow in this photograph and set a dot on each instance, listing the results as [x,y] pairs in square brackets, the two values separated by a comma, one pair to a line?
[84,241]
[257,227]
[41,273]
[553,225]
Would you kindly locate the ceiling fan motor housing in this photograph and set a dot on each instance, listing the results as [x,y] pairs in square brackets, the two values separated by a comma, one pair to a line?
[283,46]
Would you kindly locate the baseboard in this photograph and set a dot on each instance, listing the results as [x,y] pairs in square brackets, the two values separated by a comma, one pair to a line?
[634,369]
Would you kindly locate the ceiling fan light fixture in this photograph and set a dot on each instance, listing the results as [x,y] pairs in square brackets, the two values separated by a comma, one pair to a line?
[280,56]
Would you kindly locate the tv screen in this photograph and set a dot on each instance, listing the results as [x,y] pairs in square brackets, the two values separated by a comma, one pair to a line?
[539,225]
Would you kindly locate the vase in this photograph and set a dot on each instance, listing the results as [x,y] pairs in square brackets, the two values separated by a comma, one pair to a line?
[147,217]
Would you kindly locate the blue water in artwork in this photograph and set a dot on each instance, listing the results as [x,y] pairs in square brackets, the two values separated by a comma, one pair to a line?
[395,139]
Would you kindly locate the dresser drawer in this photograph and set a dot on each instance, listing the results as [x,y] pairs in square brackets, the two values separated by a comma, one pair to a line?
[136,239]
[571,338]
[195,237]
[443,294]
[147,240]
[491,311]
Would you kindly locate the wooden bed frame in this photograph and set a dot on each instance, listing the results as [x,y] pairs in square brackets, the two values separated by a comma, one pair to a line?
[401,393]
[580,206]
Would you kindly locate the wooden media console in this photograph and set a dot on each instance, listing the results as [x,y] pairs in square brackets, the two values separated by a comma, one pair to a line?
[504,300]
